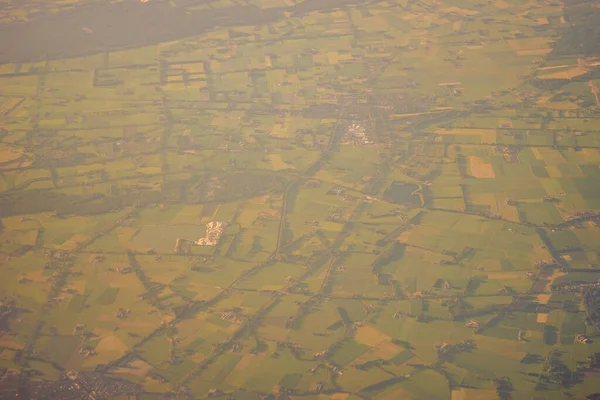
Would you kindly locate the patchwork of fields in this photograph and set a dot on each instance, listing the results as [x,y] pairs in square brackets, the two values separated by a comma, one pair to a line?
[346,200]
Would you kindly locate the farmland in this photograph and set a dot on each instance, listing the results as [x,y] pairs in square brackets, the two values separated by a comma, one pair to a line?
[299,199]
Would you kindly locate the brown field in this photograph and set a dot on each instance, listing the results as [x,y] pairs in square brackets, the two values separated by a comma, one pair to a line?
[568,74]
[591,155]
[111,347]
[382,347]
[7,343]
[562,105]
[502,4]
[542,318]
[537,52]
[459,11]
[370,336]
[382,351]
[281,129]
[550,156]
[340,396]
[534,43]
[473,394]
[74,241]
[543,298]
[555,274]
[449,83]
[479,169]
[553,171]
[9,153]
[552,67]
[539,253]
[544,99]
[7,354]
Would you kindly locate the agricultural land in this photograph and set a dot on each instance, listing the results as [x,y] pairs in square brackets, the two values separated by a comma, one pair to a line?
[300,199]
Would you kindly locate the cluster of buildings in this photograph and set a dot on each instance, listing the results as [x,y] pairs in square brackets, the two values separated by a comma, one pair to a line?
[581,339]
[473,324]
[357,134]
[214,230]
[123,313]
[72,386]
[574,287]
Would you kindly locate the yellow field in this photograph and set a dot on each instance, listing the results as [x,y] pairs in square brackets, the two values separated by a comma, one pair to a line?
[109,348]
[479,169]
[474,394]
[7,354]
[9,153]
[193,68]
[136,368]
[340,396]
[537,52]
[539,253]
[550,156]
[281,129]
[535,43]
[553,171]
[502,4]
[567,74]
[73,242]
[543,298]
[383,350]
[459,11]
[508,212]
[591,155]
[542,318]
[562,105]
[7,343]
[370,336]
[555,274]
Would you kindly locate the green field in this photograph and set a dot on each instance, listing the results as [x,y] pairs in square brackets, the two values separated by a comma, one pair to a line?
[300,200]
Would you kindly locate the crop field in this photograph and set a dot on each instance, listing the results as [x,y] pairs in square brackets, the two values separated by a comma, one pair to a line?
[299,199]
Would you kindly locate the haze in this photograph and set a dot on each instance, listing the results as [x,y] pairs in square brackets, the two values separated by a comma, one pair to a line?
[299,199]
